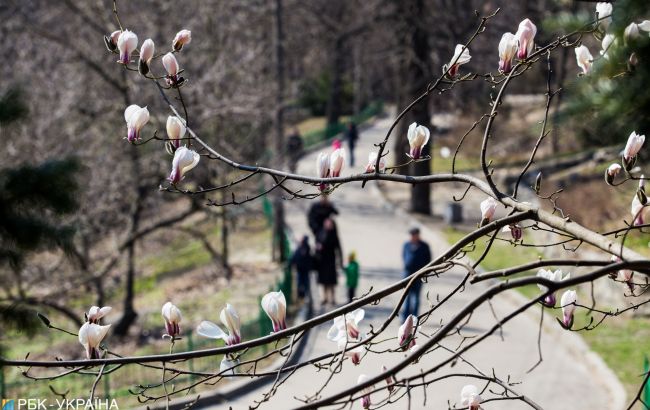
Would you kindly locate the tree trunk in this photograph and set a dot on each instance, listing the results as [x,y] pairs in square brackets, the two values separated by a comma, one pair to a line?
[418,77]
[279,251]
[129,314]
[336,84]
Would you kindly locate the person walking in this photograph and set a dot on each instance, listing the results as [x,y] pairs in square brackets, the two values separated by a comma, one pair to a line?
[318,213]
[352,135]
[303,262]
[294,149]
[415,254]
[328,248]
[352,275]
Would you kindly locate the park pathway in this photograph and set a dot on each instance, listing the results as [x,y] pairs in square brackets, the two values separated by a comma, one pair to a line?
[565,380]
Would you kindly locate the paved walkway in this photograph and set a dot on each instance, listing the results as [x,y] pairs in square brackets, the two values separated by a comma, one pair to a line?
[565,379]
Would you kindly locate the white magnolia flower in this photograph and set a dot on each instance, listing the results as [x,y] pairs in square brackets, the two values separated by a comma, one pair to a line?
[604,14]
[349,323]
[95,313]
[126,43]
[372,160]
[184,160]
[136,117]
[354,354]
[584,59]
[633,146]
[568,301]
[182,37]
[275,306]
[418,136]
[175,129]
[323,168]
[406,332]
[507,50]
[488,208]
[365,399]
[337,159]
[173,317]
[609,40]
[228,367]
[555,276]
[171,66]
[445,152]
[461,56]
[230,319]
[91,336]
[526,37]
[469,396]
[147,51]
[323,165]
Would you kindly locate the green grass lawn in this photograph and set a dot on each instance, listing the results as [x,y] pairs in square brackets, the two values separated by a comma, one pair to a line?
[501,255]
[622,343]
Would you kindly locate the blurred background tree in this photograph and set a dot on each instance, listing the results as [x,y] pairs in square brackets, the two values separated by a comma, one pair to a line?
[618,104]
[34,199]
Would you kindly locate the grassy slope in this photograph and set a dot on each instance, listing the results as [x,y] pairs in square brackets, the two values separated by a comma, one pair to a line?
[622,343]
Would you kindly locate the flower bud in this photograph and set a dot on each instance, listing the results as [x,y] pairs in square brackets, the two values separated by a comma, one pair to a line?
[146,54]
[172,316]
[275,306]
[538,183]
[507,50]
[526,37]
[418,136]
[111,41]
[337,159]
[568,301]
[127,42]
[182,37]
[175,130]
[488,208]
[611,172]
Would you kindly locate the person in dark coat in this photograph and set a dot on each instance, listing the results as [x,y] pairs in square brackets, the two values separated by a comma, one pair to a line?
[294,149]
[303,262]
[328,249]
[352,135]
[416,255]
[318,213]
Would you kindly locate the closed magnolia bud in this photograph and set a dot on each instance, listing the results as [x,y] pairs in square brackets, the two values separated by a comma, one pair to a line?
[538,183]
[111,41]
[526,38]
[633,61]
[584,59]
[643,198]
[507,50]
[146,54]
[611,172]
[182,37]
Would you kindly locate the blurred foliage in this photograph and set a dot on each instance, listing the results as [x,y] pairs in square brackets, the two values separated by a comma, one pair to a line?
[610,102]
[315,91]
[33,197]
